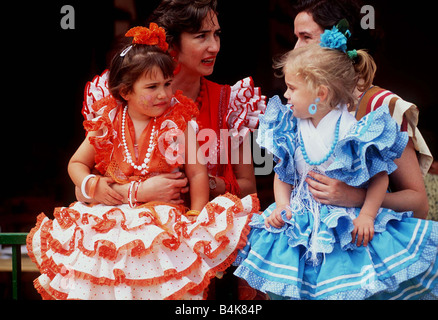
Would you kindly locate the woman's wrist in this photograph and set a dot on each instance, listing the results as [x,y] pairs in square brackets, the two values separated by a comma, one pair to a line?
[123,190]
[217,187]
[144,191]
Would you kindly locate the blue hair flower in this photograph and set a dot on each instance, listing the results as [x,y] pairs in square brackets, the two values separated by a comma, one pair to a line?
[335,39]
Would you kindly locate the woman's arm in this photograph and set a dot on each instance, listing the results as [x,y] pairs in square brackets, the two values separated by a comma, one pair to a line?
[244,172]
[408,192]
[196,174]
[407,186]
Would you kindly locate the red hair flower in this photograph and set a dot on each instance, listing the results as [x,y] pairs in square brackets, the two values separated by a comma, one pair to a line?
[154,36]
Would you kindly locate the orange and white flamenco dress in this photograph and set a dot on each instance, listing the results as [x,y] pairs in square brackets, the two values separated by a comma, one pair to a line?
[151,251]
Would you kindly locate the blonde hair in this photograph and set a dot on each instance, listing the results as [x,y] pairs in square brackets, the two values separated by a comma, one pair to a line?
[319,66]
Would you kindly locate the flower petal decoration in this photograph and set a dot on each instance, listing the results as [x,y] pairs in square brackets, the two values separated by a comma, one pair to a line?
[334,39]
[153,36]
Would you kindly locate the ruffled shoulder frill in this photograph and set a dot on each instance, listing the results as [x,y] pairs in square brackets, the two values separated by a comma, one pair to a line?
[246,104]
[183,110]
[370,147]
[103,122]
[172,125]
[99,110]
[277,134]
[95,90]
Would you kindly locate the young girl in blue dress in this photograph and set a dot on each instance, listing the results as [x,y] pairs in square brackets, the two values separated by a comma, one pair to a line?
[301,249]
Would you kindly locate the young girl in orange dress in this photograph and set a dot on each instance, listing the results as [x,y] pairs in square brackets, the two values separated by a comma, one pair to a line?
[138,251]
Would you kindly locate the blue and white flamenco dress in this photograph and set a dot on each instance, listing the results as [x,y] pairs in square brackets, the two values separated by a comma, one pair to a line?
[312,256]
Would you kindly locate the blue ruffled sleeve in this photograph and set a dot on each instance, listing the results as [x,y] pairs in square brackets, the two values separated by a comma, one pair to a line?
[370,147]
[277,134]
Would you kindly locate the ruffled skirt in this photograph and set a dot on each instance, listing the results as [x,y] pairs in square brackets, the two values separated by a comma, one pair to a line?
[305,261]
[150,252]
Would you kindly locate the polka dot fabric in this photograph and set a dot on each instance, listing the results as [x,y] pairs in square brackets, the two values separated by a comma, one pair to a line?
[370,147]
[313,256]
[151,252]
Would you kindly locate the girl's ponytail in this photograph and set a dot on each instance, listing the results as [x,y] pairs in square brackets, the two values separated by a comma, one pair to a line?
[365,68]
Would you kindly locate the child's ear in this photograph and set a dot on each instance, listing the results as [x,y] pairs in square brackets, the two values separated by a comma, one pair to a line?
[323,92]
[124,93]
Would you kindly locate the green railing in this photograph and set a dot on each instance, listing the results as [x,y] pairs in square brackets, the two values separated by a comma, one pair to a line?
[16,240]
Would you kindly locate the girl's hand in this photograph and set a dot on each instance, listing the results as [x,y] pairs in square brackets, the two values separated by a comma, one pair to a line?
[275,219]
[105,194]
[363,229]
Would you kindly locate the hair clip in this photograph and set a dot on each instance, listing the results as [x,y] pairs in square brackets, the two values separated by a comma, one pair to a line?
[124,52]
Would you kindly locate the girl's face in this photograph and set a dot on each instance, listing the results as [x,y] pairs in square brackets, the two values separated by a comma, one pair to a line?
[298,95]
[198,51]
[150,96]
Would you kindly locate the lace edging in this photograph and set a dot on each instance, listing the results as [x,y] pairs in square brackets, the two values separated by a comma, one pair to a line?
[50,268]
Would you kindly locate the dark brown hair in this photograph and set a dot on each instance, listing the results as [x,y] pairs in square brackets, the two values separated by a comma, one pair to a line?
[139,60]
[178,16]
[328,13]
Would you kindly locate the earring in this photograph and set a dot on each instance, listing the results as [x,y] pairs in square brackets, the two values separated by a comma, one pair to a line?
[174,56]
[177,69]
[313,107]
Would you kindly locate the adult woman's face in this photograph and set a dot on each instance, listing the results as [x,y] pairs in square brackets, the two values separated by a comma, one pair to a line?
[306,30]
[198,51]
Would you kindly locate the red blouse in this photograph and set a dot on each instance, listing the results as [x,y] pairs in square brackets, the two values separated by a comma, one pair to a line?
[235,110]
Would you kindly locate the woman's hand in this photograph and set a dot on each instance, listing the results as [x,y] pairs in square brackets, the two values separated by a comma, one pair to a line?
[166,187]
[275,219]
[334,192]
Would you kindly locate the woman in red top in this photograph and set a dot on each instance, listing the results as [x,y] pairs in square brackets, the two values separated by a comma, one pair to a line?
[193,33]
